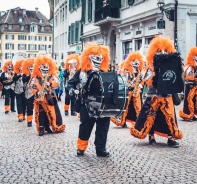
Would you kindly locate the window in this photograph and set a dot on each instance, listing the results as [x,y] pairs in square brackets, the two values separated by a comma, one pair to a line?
[42,47]
[9,37]
[42,38]
[0,37]
[22,37]
[9,55]
[50,38]
[148,40]
[123,3]
[127,47]
[9,46]
[20,20]
[40,20]
[31,55]
[32,47]
[34,38]
[89,10]
[21,46]
[73,4]
[138,44]
[33,29]
[22,27]
[131,2]
[74,33]
[9,26]
[42,28]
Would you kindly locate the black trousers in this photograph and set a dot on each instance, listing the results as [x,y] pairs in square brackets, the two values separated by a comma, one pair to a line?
[29,106]
[70,100]
[43,119]
[86,126]
[10,96]
[20,103]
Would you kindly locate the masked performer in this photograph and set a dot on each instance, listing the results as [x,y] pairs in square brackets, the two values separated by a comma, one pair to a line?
[8,83]
[59,90]
[71,66]
[158,114]
[190,100]
[134,65]
[19,91]
[27,68]
[43,84]
[94,58]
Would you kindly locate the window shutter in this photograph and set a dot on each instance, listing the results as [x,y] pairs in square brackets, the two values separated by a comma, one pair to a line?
[18,46]
[35,38]
[76,31]
[115,3]
[25,46]
[77,2]
[28,46]
[38,47]
[35,47]
[12,46]
[45,38]
[45,47]
[89,10]
[25,37]
[18,37]
[72,33]
[69,35]
[28,37]
[12,37]
[131,2]
[83,11]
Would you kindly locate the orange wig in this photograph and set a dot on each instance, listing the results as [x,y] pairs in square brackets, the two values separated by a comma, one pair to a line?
[95,49]
[7,63]
[159,43]
[17,65]
[42,60]
[135,55]
[190,58]
[28,62]
[72,57]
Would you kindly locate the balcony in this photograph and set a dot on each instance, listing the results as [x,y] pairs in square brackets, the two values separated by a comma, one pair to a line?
[106,14]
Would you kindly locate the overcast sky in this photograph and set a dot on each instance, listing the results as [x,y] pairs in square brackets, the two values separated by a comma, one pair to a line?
[42,5]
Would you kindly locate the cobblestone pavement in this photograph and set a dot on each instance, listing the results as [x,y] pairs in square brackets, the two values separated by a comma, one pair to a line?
[27,158]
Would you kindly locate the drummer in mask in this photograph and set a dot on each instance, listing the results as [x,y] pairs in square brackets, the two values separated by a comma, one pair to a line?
[94,58]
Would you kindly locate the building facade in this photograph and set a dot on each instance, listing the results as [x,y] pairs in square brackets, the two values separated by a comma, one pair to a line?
[24,31]
[125,25]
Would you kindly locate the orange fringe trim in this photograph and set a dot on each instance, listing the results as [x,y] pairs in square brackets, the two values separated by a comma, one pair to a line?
[82,144]
[163,104]
[191,107]
[55,128]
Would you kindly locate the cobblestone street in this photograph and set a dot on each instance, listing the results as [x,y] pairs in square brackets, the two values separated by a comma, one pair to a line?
[27,158]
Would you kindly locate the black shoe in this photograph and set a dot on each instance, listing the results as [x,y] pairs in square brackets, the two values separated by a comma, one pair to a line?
[124,126]
[102,154]
[41,133]
[152,141]
[49,131]
[29,124]
[80,152]
[6,112]
[66,113]
[194,119]
[13,110]
[20,120]
[173,143]
[73,113]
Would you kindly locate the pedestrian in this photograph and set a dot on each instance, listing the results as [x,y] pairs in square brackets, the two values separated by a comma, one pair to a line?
[43,84]
[158,113]
[190,94]
[72,64]
[8,83]
[94,58]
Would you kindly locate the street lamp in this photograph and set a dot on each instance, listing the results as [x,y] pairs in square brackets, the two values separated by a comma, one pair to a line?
[169,12]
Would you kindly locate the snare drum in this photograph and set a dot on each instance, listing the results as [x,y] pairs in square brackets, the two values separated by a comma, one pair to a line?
[106,94]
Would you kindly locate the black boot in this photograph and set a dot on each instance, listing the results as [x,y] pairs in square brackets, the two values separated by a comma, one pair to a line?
[66,113]
[172,143]
[152,140]
[49,131]
[29,124]
[102,153]
[80,152]
[41,133]
[73,113]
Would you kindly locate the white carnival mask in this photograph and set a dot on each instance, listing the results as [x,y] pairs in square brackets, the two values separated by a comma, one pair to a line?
[96,61]
[161,51]
[20,69]
[135,66]
[9,68]
[30,68]
[44,69]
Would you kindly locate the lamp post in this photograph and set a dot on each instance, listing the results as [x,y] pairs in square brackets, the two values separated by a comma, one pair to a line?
[171,14]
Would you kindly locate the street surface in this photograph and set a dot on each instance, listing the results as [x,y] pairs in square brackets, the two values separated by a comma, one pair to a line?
[27,158]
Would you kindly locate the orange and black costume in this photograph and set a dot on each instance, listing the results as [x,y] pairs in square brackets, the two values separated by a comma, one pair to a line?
[158,114]
[27,68]
[94,58]
[190,95]
[133,65]
[8,83]
[72,64]
[19,90]
[43,84]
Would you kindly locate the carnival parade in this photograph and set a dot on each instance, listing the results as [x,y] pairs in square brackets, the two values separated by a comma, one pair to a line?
[103,97]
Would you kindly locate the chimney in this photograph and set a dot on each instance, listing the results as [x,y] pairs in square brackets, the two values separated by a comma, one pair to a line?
[36,10]
[24,12]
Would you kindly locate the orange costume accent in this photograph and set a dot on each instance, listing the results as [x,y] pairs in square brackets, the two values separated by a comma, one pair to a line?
[190,95]
[157,114]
